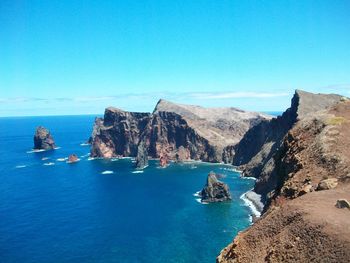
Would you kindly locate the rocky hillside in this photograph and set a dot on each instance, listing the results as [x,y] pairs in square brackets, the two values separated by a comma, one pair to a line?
[177,131]
[255,152]
[310,173]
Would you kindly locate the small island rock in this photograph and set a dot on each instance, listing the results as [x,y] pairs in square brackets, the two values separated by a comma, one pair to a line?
[73,158]
[43,139]
[215,190]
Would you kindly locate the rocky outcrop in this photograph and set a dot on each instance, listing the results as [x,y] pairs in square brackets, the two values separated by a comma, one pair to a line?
[215,190]
[73,158]
[142,156]
[327,184]
[118,134]
[256,153]
[174,131]
[43,139]
[342,203]
[300,223]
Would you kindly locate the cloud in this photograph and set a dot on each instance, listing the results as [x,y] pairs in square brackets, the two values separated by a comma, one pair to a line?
[237,95]
[145,96]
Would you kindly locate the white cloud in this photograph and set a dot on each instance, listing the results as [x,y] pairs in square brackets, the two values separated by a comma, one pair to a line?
[235,95]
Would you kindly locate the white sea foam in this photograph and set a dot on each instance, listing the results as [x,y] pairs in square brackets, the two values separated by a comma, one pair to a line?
[197,194]
[114,159]
[36,151]
[85,155]
[200,201]
[137,172]
[61,159]
[73,161]
[56,148]
[91,158]
[107,172]
[45,158]
[49,164]
[252,200]
[20,166]
[84,144]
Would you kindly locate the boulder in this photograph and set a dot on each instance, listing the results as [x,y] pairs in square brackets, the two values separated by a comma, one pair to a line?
[215,190]
[342,203]
[43,139]
[327,184]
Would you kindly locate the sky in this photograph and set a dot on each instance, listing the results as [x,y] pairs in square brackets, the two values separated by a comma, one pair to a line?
[78,57]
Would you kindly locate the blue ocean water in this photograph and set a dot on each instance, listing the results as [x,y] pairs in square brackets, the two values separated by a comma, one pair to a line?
[102,211]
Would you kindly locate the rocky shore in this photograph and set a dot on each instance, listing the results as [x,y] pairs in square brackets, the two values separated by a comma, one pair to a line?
[302,171]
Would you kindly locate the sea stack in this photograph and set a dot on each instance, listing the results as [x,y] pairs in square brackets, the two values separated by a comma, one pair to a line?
[73,158]
[215,190]
[43,139]
[142,156]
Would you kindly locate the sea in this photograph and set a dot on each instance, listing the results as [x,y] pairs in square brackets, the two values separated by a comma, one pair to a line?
[99,210]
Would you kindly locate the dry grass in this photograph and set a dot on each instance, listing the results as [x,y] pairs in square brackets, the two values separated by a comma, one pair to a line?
[336,121]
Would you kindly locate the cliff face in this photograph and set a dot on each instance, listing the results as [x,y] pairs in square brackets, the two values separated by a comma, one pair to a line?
[301,222]
[118,134]
[173,132]
[255,153]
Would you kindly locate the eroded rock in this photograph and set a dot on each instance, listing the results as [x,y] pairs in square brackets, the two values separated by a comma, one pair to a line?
[215,190]
[327,184]
[43,139]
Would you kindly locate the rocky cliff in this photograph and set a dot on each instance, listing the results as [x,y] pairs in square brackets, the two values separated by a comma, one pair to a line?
[118,133]
[173,131]
[308,175]
[255,153]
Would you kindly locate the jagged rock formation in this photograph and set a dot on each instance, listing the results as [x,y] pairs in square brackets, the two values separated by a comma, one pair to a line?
[175,131]
[255,153]
[43,139]
[118,134]
[215,190]
[142,156]
[301,223]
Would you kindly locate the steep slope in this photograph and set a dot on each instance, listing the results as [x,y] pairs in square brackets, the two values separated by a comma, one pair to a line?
[255,152]
[118,134]
[301,222]
[176,131]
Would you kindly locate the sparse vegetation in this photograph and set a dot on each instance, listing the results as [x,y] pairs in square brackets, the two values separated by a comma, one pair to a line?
[336,121]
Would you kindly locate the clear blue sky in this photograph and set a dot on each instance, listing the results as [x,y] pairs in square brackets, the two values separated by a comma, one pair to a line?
[77,57]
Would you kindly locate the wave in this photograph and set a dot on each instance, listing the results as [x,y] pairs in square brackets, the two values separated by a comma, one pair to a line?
[56,148]
[107,172]
[200,201]
[45,158]
[73,161]
[252,200]
[49,164]
[36,151]
[137,172]
[197,194]
[85,155]
[91,158]
[114,159]
[20,166]
[84,144]
[61,159]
